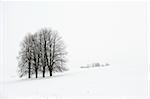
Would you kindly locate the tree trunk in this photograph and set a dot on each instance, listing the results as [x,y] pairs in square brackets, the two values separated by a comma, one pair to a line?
[45,58]
[44,71]
[36,73]
[36,68]
[29,70]
[50,72]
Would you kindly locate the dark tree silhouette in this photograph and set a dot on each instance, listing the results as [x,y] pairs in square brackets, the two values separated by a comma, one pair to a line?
[43,51]
[36,53]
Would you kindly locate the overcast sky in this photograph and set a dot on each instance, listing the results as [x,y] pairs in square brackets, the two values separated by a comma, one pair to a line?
[93,32]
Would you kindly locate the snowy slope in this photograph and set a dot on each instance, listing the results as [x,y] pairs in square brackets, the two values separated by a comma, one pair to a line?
[98,81]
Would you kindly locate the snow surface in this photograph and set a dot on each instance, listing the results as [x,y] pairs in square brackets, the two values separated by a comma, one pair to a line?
[89,82]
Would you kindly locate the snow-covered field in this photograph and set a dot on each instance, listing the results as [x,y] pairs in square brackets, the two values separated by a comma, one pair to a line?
[89,82]
[113,32]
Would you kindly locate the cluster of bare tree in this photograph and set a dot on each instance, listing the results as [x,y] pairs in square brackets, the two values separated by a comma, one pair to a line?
[41,52]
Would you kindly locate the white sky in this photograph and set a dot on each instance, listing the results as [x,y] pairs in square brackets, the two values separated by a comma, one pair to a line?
[93,32]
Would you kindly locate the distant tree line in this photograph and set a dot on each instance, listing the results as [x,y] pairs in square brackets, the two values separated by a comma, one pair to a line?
[41,52]
[95,65]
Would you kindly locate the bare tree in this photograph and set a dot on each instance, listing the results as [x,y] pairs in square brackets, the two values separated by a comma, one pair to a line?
[45,59]
[25,56]
[58,54]
[36,53]
[54,51]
